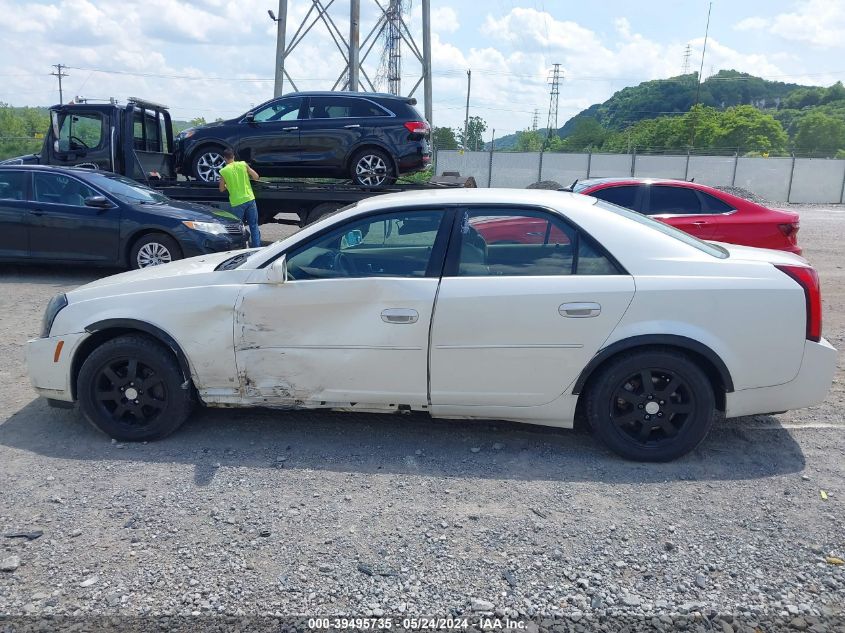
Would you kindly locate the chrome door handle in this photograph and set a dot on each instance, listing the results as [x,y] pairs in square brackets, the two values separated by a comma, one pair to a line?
[351,125]
[579,310]
[290,129]
[400,315]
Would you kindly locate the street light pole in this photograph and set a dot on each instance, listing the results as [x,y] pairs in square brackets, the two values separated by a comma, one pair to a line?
[281,27]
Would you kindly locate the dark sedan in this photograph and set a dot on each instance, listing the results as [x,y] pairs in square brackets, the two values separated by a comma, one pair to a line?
[66,214]
[370,138]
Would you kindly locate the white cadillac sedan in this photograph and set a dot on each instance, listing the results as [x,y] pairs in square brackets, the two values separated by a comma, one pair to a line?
[520,305]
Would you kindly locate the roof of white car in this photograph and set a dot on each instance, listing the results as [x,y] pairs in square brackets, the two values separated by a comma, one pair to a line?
[546,198]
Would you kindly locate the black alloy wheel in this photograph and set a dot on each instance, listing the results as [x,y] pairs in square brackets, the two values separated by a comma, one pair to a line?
[651,405]
[132,389]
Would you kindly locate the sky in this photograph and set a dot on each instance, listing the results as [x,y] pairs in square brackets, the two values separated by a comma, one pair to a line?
[215,58]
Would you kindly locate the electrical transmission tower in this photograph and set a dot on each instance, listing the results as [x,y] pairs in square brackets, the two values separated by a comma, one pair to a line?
[687,54]
[535,120]
[391,57]
[390,29]
[554,82]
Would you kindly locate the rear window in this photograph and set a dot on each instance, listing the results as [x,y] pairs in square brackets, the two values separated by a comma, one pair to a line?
[624,195]
[686,238]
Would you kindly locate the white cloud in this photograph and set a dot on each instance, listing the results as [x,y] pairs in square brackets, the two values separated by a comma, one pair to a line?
[444,20]
[819,23]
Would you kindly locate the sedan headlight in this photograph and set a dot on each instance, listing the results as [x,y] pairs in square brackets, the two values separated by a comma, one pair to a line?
[185,134]
[53,308]
[214,228]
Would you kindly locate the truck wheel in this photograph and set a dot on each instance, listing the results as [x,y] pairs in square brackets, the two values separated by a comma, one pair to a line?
[132,389]
[154,249]
[372,168]
[321,211]
[207,164]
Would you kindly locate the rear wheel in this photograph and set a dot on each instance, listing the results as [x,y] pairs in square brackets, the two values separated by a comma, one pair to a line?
[131,388]
[207,164]
[372,168]
[651,405]
[154,249]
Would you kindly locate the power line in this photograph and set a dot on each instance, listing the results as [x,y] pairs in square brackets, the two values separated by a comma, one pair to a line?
[687,53]
[554,94]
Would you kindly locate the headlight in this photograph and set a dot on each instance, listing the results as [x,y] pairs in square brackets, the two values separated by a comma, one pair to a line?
[185,134]
[215,228]
[53,308]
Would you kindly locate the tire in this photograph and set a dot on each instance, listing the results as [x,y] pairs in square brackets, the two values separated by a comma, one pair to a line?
[321,211]
[656,424]
[137,365]
[207,162]
[154,249]
[372,168]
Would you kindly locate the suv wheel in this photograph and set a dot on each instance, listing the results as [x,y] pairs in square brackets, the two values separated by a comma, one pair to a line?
[652,405]
[132,389]
[372,168]
[154,249]
[207,164]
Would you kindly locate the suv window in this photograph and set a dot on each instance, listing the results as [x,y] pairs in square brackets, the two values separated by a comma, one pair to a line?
[624,196]
[12,185]
[146,132]
[83,130]
[343,108]
[712,204]
[282,110]
[526,242]
[673,200]
[60,189]
[397,244]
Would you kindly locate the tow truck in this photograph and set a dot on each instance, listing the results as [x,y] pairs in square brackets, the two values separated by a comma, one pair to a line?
[135,140]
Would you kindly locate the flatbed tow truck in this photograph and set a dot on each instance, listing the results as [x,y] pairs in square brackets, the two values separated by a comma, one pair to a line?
[136,140]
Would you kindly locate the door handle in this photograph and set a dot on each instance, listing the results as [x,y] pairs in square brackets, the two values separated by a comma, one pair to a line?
[351,125]
[290,129]
[579,310]
[700,223]
[400,315]
[35,212]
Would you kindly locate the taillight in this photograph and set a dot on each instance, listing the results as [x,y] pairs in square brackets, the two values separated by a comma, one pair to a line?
[808,279]
[789,230]
[417,127]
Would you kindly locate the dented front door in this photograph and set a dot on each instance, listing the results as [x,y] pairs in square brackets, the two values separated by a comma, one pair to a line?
[335,341]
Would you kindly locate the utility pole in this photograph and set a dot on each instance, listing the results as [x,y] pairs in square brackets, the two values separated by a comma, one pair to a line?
[354,43]
[60,74]
[700,70]
[534,120]
[466,116]
[554,82]
[687,53]
[281,26]
[426,64]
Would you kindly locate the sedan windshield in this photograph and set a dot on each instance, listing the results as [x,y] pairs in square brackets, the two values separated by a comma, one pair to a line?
[128,190]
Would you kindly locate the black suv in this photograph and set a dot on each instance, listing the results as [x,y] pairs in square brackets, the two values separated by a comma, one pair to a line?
[369,137]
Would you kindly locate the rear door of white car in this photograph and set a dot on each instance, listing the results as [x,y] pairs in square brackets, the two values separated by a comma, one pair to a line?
[525,301]
[351,324]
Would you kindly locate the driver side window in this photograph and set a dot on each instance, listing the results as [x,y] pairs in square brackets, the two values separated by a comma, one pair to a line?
[283,110]
[395,244]
[80,131]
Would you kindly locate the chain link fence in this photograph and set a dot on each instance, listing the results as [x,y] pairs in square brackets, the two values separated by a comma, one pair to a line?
[784,179]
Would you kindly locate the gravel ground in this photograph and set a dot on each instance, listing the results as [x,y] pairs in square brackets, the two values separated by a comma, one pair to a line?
[246,513]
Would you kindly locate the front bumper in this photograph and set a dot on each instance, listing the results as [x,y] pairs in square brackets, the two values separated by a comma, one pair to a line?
[808,388]
[49,362]
[198,243]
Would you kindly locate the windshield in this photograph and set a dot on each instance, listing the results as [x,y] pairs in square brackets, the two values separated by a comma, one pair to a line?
[671,231]
[129,190]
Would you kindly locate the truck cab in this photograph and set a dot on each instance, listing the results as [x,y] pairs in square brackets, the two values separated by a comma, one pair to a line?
[134,139]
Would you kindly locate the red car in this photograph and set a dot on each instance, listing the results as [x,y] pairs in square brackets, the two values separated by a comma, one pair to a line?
[702,211]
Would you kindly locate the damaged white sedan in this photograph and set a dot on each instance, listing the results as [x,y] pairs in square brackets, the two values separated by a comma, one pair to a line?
[507,304]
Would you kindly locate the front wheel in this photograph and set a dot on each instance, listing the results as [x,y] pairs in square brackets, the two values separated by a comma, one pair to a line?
[132,389]
[207,164]
[372,168]
[651,405]
[154,249]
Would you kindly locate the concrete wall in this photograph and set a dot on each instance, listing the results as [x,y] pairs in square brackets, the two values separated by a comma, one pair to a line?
[813,179]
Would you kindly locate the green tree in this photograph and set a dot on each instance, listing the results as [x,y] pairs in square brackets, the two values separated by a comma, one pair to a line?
[819,132]
[529,141]
[586,133]
[21,130]
[200,120]
[444,138]
[475,130]
[746,128]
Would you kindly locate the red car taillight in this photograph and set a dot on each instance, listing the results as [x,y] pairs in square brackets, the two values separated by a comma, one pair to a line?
[808,279]
[417,127]
[789,230]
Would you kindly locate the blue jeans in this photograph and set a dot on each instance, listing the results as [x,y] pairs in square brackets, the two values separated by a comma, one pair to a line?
[248,212]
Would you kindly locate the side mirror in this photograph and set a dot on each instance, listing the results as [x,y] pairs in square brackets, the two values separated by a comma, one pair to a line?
[352,238]
[277,273]
[98,202]
[249,117]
